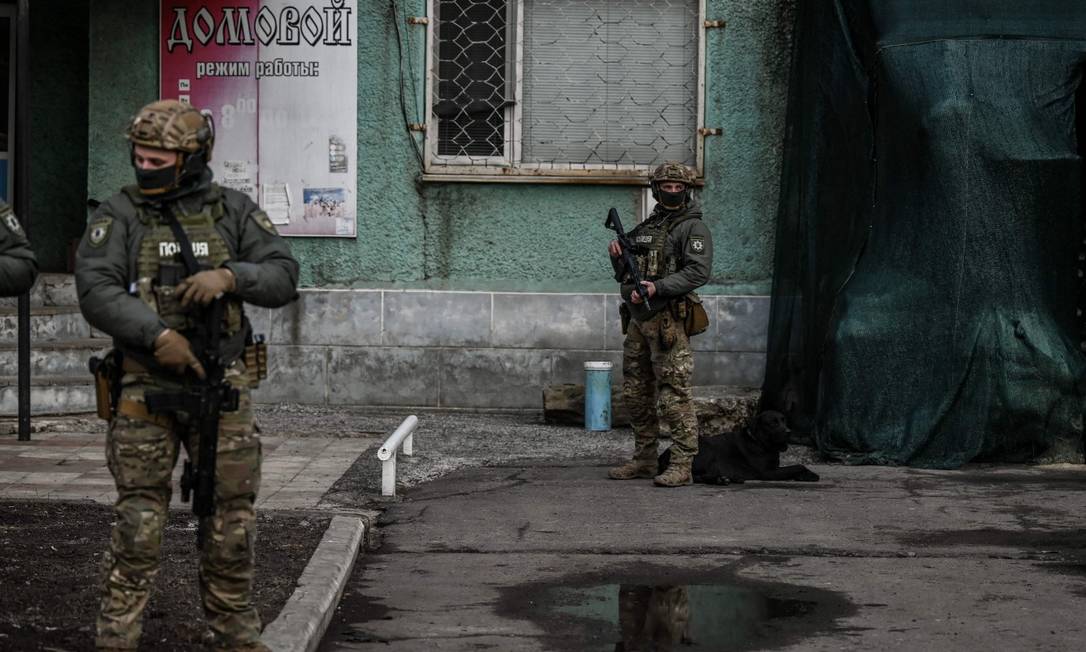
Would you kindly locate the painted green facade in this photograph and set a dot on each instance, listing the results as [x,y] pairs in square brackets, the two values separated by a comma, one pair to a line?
[491,236]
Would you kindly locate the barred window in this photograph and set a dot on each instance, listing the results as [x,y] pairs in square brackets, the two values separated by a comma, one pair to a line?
[550,86]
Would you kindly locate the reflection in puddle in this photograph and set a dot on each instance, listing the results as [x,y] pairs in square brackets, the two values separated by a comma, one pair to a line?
[688,618]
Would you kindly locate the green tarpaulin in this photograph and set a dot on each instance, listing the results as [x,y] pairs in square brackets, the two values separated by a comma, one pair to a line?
[930,229]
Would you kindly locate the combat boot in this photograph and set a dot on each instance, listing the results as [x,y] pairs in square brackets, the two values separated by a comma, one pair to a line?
[635,468]
[676,475]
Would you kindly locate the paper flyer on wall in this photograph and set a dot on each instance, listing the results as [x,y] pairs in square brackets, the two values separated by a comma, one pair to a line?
[280,78]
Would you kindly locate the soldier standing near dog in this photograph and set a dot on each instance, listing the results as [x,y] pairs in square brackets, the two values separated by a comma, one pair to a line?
[134,284]
[18,267]
[674,253]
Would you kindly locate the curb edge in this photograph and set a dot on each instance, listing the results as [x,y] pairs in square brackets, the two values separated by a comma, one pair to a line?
[303,620]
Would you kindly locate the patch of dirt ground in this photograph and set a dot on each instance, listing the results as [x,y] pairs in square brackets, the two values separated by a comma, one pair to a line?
[50,574]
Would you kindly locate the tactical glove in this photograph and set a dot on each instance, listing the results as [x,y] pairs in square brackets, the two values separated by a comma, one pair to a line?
[173,351]
[205,287]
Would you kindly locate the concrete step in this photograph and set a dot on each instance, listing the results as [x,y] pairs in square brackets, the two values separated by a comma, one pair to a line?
[48,290]
[47,324]
[65,358]
[49,395]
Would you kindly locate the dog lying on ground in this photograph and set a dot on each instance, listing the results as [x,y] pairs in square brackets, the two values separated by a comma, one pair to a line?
[753,453]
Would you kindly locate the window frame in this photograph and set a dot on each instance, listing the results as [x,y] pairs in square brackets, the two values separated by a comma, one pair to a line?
[510,167]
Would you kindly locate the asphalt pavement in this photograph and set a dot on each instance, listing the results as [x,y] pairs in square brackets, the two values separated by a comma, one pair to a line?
[508,536]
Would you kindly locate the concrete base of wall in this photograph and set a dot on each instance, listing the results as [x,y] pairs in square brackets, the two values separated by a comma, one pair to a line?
[399,347]
[474,349]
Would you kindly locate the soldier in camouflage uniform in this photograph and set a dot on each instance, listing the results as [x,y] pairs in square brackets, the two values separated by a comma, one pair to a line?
[18,267]
[675,256]
[125,262]
[653,618]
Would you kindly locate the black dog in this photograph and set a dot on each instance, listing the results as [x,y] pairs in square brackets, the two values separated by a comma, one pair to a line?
[753,453]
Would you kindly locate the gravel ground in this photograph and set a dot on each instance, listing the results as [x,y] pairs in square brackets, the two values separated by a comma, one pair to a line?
[447,441]
[50,574]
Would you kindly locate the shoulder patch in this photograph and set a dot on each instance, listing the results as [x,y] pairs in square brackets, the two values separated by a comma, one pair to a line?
[99,230]
[10,221]
[263,221]
[697,244]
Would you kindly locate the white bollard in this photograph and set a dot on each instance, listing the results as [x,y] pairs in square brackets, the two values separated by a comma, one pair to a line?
[387,453]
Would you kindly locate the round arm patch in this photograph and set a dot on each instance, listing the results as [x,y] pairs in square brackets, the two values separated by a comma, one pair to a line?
[99,230]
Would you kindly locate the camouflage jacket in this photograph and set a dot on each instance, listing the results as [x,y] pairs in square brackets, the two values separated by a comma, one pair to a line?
[18,267]
[266,273]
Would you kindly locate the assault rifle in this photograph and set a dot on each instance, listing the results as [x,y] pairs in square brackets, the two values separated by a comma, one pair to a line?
[204,401]
[615,224]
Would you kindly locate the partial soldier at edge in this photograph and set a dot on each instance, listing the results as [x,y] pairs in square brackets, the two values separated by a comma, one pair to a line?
[18,266]
[674,254]
[134,284]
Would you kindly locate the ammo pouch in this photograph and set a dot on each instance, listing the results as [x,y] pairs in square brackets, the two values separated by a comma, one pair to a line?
[256,359]
[624,315]
[691,314]
[107,382]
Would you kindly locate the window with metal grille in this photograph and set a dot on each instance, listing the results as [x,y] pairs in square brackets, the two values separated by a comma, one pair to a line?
[552,86]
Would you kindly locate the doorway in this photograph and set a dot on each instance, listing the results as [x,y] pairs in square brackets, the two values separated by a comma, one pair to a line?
[7,99]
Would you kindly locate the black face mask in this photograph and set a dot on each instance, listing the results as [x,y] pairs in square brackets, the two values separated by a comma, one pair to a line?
[156,181]
[672,200]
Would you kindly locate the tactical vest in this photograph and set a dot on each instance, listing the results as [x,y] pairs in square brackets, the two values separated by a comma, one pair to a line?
[160,267]
[654,259]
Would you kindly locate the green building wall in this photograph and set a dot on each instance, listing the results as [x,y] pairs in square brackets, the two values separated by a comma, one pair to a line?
[491,236]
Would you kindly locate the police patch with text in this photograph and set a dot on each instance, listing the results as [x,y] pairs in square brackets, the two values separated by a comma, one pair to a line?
[697,244]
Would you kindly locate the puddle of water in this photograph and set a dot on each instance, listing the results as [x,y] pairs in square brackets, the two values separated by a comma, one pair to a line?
[663,618]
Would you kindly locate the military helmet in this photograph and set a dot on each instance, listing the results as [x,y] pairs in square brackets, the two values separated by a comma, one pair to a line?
[172,125]
[673,171]
[177,127]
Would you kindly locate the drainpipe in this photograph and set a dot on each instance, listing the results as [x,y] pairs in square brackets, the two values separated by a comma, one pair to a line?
[22,198]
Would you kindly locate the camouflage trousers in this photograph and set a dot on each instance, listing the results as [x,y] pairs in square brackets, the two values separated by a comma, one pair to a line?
[657,364]
[141,456]
[653,617]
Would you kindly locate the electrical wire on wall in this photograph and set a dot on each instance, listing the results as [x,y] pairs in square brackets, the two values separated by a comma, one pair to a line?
[407,121]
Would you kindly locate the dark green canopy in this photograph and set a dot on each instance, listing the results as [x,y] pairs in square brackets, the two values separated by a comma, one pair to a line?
[930,229]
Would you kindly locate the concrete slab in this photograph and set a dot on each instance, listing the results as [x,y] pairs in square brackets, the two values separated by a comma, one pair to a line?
[330,317]
[742,323]
[296,374]
[46,323]
[296,473]
[569,365]
[548,321]
[384,376]
[494,378]
[437,319]
[729,368]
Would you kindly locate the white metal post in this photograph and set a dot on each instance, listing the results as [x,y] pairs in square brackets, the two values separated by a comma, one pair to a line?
[404,435]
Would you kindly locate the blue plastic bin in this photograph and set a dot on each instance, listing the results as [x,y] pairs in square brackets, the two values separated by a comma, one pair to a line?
[597,395]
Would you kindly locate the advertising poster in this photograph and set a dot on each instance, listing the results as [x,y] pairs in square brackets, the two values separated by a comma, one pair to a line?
[280,78]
